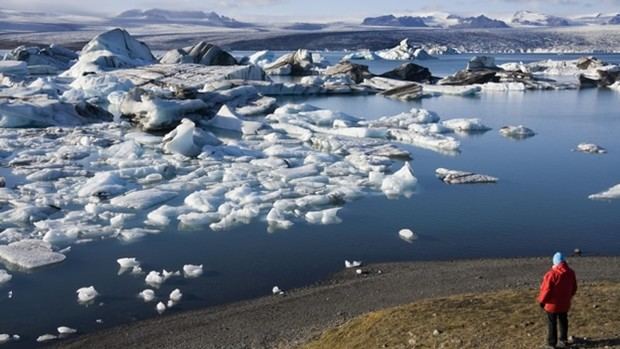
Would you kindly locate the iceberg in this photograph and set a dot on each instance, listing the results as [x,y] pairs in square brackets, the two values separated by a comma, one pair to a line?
[187,140]
[327,216]
[402,182]
[407,235]
[147,295]
[160,307]
[64,330]
[227,120]
[30,254]
[113,49]
[143,199]
[517,132]
[465,125]
[404,51]
[462,177]
[103,185]
[609,194]
[365,54]
[191,271]
[590,148]
[200,53]
[86,294]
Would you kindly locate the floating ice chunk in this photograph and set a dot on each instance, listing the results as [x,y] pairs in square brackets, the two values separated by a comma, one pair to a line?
[516,132]
[165,214]
[402,182]
[86,294]
[187,140]
[58,237]
[66,330]
[288,174]
[465,125]
[147,295]
[176,296]
[609,194]
[403,51]
[4,277]
[203,200]
[276,219]
[277,291]
[198,219]
[352,264]
[227,120]
[30,254]
[118,220]
[407,235]
[435,142]
[261,58]
[327,216]
[590,148]
[143,199]
[154,278]
[127,264]
[404,120]
[5,338]
[462,177]
[46,338]
[103,185]
[191,271]
[160,307]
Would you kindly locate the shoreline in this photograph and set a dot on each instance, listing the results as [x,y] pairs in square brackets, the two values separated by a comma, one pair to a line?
[286,321]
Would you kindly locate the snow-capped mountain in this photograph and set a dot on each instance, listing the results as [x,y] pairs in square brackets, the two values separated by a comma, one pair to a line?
[439,20]
[529,18]
[169,16]
[393,21]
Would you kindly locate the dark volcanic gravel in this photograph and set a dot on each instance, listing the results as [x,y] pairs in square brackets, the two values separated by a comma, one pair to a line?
[284,321]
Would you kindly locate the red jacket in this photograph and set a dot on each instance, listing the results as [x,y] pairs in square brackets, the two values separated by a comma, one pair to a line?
[557,288]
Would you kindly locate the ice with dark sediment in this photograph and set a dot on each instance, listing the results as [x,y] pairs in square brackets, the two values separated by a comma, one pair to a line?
[517,132]
[590,148]
[463,177]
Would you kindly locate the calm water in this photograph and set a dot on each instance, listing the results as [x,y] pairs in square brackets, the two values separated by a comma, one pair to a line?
[539,205]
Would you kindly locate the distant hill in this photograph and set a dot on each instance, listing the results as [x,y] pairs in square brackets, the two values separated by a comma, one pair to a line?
[169,16]
[529,18]
[393,21]
[614,20]
[479,22]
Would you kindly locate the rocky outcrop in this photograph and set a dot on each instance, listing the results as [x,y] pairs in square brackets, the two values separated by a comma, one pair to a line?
[357,72]
[410,72]
[201,53]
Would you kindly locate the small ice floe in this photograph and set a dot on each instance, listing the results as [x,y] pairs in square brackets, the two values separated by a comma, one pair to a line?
[277,291]
[175,298]
[46,338]
[10,294]
[156,279]
[590,148]
[327,216]
[191,271]
[188,140]
[99,321]
[352,264]
[160,307]
[86,294]
[462,177]
[465,125]
[401,182]
[517,132]
[30,254]
[147,295]
[407,235]
[64,330]
[127,264]
[4,277]
[609,194]
[5,338]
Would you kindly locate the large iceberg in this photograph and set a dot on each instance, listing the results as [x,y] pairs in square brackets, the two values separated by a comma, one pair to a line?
[200,53]
[404,51]
[111,50]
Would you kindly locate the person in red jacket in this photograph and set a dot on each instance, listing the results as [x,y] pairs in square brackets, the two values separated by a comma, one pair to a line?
[556,291]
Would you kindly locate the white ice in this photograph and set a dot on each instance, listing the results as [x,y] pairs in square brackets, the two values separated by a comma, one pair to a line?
[191,271]
[160,307]
[4,277]
[352,264]
[327,216]
[30,254]
[609,194]
[407,235]
[46,338]
[277,290]
[147,295]
[86,294]
[66,330]
[402,182]
[590,148]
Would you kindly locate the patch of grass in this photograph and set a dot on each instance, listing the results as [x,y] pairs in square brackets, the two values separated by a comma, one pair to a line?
[503,319]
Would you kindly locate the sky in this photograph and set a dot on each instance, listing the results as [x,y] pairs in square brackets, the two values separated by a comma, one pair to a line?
[317,10]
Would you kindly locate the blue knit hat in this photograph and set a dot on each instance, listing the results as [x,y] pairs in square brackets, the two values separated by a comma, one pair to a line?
[558,258]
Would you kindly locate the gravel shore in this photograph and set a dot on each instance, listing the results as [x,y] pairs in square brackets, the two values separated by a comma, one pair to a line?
[285,321]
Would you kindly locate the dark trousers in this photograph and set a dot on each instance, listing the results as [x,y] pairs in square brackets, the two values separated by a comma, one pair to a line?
[552,337]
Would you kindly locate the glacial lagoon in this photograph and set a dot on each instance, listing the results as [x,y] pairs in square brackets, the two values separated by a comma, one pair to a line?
[540,204]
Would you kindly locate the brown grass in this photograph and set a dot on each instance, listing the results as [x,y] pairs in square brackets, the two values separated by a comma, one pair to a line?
[505,319]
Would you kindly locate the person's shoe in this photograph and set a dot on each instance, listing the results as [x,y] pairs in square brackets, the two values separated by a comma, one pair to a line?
[562,344]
